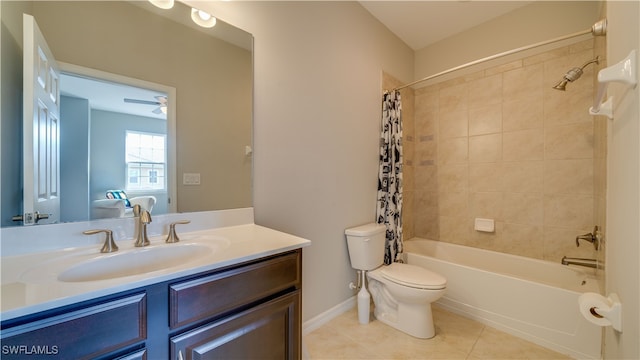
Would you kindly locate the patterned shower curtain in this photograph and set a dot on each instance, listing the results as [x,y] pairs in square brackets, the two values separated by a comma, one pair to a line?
[389,209]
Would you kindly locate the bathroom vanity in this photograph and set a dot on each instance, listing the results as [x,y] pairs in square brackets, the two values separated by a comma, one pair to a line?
[242,300]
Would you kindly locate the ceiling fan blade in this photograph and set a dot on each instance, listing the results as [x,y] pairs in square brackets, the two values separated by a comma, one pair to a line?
[161,99]
[144,102]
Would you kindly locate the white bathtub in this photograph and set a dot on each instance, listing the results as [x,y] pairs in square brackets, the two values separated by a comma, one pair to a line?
[533,299]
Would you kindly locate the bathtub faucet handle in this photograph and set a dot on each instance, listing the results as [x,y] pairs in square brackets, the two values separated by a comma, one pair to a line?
[593,238]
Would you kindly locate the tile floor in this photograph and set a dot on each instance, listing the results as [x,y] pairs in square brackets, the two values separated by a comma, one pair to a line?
[456,338]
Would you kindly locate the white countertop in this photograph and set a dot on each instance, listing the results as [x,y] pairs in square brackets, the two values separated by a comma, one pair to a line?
[30,281]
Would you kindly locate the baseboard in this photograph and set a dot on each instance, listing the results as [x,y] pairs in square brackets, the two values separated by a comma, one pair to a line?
[323,318]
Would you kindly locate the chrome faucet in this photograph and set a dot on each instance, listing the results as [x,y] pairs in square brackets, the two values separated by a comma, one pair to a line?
[590,263]
[143,218]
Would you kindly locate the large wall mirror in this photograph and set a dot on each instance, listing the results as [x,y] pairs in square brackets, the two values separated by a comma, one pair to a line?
[185,89]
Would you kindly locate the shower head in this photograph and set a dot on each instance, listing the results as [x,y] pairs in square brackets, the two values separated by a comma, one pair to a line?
[571,76]
[562,85]
[574,74]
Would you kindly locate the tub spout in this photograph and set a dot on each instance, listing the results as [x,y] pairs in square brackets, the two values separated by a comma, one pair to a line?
[590,263]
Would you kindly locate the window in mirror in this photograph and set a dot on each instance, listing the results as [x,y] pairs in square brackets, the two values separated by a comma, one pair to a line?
[145,161]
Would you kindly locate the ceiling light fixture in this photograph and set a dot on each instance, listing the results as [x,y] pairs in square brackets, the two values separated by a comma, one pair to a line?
[162,4]
[202,18]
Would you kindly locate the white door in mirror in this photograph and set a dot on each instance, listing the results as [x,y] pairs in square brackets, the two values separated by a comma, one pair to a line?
[41,128]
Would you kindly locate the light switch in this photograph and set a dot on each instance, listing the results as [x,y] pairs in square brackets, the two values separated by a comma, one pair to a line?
[191,179]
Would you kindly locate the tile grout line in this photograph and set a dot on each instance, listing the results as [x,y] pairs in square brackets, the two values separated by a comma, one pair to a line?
[476,342]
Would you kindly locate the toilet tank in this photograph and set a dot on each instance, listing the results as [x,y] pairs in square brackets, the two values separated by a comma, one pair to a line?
[366,246]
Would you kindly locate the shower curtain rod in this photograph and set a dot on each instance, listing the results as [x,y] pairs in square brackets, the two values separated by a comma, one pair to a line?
[509,52]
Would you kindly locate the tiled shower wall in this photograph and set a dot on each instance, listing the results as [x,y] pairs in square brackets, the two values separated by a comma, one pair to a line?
[502,144]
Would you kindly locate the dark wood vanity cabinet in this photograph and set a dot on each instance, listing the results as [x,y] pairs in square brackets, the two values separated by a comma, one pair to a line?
[249,312]
[246,311]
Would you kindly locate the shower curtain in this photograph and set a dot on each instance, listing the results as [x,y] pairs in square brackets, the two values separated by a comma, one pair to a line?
[389,209]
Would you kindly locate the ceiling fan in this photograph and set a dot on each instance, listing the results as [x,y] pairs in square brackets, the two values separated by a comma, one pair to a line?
[161,103]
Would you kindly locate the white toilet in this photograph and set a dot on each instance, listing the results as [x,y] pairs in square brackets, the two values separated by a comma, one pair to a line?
[402,293]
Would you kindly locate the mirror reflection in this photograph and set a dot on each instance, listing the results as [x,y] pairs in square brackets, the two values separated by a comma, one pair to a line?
[210,72]
[124,129]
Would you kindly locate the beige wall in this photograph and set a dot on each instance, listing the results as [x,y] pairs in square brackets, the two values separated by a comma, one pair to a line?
[623,198]
[213,122]
[318,69]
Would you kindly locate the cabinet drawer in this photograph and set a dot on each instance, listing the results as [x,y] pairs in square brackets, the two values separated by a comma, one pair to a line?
[81,334]
[222,292]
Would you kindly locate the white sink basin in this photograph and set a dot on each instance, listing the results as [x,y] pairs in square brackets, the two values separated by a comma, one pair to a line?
[137,261]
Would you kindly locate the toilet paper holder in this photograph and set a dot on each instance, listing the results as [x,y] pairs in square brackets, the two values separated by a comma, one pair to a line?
[605,311]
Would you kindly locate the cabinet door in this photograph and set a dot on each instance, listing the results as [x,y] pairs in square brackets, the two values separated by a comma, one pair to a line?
[268,331]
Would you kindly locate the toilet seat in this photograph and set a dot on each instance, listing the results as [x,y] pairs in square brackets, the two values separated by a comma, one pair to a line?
[413,276]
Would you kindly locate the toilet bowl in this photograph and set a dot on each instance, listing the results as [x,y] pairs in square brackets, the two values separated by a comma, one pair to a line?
[402,293]
[402,296]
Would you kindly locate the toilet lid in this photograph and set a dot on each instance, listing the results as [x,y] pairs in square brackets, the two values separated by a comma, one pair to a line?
[413,276]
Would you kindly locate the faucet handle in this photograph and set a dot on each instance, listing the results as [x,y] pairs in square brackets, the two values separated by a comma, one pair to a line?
[173,236]
[109,245]
[145,217]
[595,238]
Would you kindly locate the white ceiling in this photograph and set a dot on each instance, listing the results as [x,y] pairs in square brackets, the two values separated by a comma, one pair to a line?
[421,23]
[104,95]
